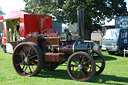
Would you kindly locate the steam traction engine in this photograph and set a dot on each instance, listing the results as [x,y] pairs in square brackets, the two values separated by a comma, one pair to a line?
[46,51]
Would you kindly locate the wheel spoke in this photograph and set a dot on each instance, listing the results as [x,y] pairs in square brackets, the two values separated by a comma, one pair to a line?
[29,51]
[98,66]
[75,70]
[90,69]
[23,67]
[24,53]
[30,69]
[82,73]
[75,62]
[34,63]
[20,63]
[23,48]
[74,66]
[32,51]
[81,60]
[26,68]
[33,56]
[86,67]
[85,63]
[86,71]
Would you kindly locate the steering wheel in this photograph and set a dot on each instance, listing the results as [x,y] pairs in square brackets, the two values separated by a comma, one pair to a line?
[49,33]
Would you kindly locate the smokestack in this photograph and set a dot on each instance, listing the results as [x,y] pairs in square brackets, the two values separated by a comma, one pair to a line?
[80,18]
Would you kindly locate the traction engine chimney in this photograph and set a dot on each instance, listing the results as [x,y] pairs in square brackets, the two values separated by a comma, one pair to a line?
[80,18]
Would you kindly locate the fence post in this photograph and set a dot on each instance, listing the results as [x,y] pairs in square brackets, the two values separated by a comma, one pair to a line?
[124,52]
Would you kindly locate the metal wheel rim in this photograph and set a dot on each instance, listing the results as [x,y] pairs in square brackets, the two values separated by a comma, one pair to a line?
[99,61]
[84,73]
[25,60]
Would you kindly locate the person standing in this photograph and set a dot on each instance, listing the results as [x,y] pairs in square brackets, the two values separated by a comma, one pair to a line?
[16,35]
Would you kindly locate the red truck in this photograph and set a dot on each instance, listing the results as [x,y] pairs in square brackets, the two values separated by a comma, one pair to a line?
[19,25]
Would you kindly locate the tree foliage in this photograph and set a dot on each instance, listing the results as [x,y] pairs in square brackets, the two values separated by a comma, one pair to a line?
[1,23]
[95,11]
[42,7]
[1,12]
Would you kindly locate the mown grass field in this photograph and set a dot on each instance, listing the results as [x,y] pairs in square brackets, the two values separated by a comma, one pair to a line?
[115,73]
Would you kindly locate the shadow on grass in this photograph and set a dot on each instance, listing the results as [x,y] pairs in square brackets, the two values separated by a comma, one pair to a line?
[62,74]
[59,74]
[121,55]
[106,78]
[109,58]
[116,54]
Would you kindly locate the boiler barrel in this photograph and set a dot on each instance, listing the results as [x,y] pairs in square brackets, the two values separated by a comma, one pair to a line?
[74,47]
[80,46]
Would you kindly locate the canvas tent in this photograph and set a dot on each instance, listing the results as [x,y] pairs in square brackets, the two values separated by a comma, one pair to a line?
[13,19]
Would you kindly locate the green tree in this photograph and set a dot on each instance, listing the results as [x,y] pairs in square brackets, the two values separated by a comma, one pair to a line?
[95,11]
[1,12]
[73,28]
[1,23]
[42,7]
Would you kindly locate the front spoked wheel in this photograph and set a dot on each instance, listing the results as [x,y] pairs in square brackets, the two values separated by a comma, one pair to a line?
[27,59]
[81,66]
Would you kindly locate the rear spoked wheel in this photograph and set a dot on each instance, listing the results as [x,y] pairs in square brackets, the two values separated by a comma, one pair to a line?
[99,61]
[81,66]
[27,59]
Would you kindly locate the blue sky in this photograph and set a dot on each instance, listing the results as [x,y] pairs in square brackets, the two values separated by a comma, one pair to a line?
[9,5]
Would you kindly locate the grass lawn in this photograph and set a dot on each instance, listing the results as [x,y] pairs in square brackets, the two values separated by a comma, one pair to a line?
[115,73]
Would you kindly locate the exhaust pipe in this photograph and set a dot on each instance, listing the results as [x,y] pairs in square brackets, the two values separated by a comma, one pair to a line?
[80,18]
